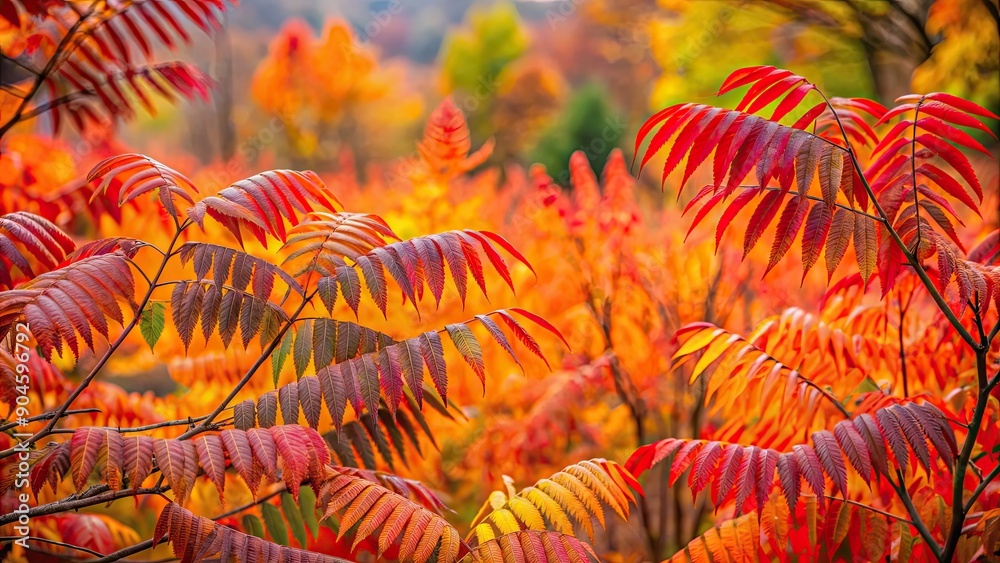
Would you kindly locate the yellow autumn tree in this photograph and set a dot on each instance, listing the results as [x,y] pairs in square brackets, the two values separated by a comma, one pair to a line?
[327,90]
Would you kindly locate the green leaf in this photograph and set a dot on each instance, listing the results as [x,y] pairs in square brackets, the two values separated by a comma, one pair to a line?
[151,322]
[279,357]
[270,325]
[307,506]
[867,385]
[252,525]
[294,518]
[332,523]
[467,345]
[275,524]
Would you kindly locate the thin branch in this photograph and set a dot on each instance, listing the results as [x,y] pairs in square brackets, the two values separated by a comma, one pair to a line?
[904,495]
[13,91]
[871,508]
[918,26]
[977,319]
[913,168]
[50,105]
[829,396]
[962,464]
[47,416]
[993,382]
[987,479]
[138,269]
[21,64]
[100,494]
[186,422]
[6,539]
[281,488]
[127,551]
[812,198]
[806,13]
[902,350]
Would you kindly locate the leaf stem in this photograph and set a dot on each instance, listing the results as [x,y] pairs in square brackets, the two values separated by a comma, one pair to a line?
[869,508]
[8,539]
[19,63]
[913,172]
[962,464]
[165,424]
[13,91]
[902,350]
[815,198]
[903,495]
[828,395]
[47,416]
[993,333]
[148,544]
[987,479]
[102,494]
[910,257]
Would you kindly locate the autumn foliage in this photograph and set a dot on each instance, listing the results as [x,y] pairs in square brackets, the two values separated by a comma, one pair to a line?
[347,385]
[898,213]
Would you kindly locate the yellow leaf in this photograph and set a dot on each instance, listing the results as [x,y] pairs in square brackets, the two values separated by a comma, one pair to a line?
[526,513]
[483,532]
[504,521]
[714,351]
[703,338]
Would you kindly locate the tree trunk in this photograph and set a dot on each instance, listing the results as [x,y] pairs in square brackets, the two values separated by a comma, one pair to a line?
[224,91]
[891,73]
[896,43]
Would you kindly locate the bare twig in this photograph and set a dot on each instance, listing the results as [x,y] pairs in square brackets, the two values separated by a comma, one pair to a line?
[47,416]
[164,424]
[869,508]
[100,494]
[8,539]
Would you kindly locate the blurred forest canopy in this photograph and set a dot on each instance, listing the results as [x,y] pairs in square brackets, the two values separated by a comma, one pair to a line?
[520,118]
[511,65]
[300,79]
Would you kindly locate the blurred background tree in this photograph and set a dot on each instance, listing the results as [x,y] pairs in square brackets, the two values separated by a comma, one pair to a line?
[511,67]
[870,47]
[474,57]
[529,95]
[327,91]
[588,123]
